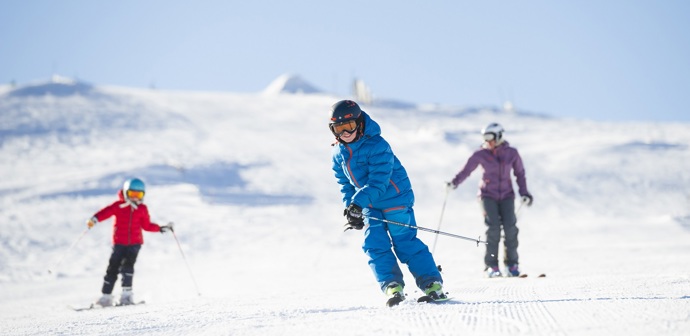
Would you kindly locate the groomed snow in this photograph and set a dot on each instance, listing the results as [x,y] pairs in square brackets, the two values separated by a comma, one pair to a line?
[247,180]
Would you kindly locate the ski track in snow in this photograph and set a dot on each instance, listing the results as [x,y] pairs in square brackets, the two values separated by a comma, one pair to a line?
[265,244]
[501,307]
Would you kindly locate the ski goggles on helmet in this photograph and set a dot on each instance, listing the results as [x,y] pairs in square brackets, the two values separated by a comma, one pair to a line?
[489,136]
[349,126]
[135,194]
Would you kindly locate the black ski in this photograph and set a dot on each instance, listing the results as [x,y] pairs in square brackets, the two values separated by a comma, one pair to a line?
[429,299]
[395,300]
[524,275]
[95,306]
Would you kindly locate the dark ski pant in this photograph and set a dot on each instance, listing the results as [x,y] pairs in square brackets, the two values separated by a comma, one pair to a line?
[382,239]
[121,261]
[500,215]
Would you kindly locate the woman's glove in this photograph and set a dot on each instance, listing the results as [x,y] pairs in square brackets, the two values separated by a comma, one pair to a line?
[527,199]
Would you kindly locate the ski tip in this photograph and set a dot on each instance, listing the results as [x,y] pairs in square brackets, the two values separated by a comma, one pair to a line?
[542,275]
[425,299]
[394,301]
[82,308]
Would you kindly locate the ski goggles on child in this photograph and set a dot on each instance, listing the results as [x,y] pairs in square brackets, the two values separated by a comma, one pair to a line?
[135,194]
[346,126]
[489,136]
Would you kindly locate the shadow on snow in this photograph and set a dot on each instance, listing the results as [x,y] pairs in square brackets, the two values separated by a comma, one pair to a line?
[219,183]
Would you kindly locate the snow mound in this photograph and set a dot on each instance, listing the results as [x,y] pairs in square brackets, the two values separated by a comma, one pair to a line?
[288,83]
[58,86]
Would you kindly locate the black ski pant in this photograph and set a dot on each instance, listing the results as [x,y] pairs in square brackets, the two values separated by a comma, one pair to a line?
[121,261]
[500,215]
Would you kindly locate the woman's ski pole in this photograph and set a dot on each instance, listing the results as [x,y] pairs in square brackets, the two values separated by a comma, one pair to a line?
[440,220]
[54,268]
[517,212]
[185,262]
[478,240]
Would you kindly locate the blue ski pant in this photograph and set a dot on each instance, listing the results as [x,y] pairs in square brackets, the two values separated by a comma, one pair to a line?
[384,242]
[121,261]
[500,215]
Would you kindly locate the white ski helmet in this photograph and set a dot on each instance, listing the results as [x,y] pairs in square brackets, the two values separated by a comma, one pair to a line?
[493,131]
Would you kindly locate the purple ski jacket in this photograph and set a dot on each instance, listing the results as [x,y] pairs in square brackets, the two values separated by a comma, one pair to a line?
[497,163]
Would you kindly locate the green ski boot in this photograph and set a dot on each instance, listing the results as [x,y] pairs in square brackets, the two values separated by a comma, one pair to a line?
[395,294]
[434,293]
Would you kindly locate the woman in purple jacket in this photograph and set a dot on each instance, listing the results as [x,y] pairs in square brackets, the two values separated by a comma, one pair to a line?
[497,159]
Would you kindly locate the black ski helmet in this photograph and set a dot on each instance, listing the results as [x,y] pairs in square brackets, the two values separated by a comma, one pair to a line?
[345,110]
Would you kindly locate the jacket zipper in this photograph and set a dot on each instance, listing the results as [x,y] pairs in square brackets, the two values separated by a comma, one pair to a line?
[349,170]
[500,173]
[129,226]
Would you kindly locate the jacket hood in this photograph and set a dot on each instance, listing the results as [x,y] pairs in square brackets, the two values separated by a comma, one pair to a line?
[371,127]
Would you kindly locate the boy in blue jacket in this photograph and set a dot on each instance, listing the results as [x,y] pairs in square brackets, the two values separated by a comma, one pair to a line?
[374,184]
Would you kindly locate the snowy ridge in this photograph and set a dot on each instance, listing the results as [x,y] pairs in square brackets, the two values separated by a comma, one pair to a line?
[289,83]
[247,180]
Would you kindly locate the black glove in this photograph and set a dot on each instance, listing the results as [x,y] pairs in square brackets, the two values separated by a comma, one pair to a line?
[527,199]
[355,219]
[166,228]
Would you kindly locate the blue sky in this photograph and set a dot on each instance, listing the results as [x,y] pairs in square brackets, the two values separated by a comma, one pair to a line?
[602,60]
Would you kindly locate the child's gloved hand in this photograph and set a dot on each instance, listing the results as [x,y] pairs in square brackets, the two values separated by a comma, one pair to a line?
[355,219]
[166,228]
[91,222]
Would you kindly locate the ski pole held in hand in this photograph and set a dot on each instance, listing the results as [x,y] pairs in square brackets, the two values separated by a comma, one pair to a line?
[440,220]
[185,261]
[54,268]
[478,240]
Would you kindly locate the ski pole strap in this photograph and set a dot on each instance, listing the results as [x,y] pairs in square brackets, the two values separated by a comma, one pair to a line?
[478,240]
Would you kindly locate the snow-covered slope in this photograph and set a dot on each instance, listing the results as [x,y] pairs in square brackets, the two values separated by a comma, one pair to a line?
[247,180]
[290,84]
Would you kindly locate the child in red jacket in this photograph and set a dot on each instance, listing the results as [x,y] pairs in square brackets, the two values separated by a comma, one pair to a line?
[131,217]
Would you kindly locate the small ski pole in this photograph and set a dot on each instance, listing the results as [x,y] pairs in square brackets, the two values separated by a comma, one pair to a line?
[186,263]
[440,220]
[517,212]
[478,240]
[64,254]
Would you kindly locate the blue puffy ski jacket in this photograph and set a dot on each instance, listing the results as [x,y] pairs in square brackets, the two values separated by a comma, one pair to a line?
[369,173]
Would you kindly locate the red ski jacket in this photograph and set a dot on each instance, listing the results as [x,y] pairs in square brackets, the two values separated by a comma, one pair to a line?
[129,221]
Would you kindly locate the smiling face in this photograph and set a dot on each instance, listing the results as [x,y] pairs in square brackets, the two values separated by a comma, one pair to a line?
[345,131]
[348,137]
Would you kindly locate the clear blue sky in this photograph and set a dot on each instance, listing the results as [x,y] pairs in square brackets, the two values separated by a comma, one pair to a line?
[595,59]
